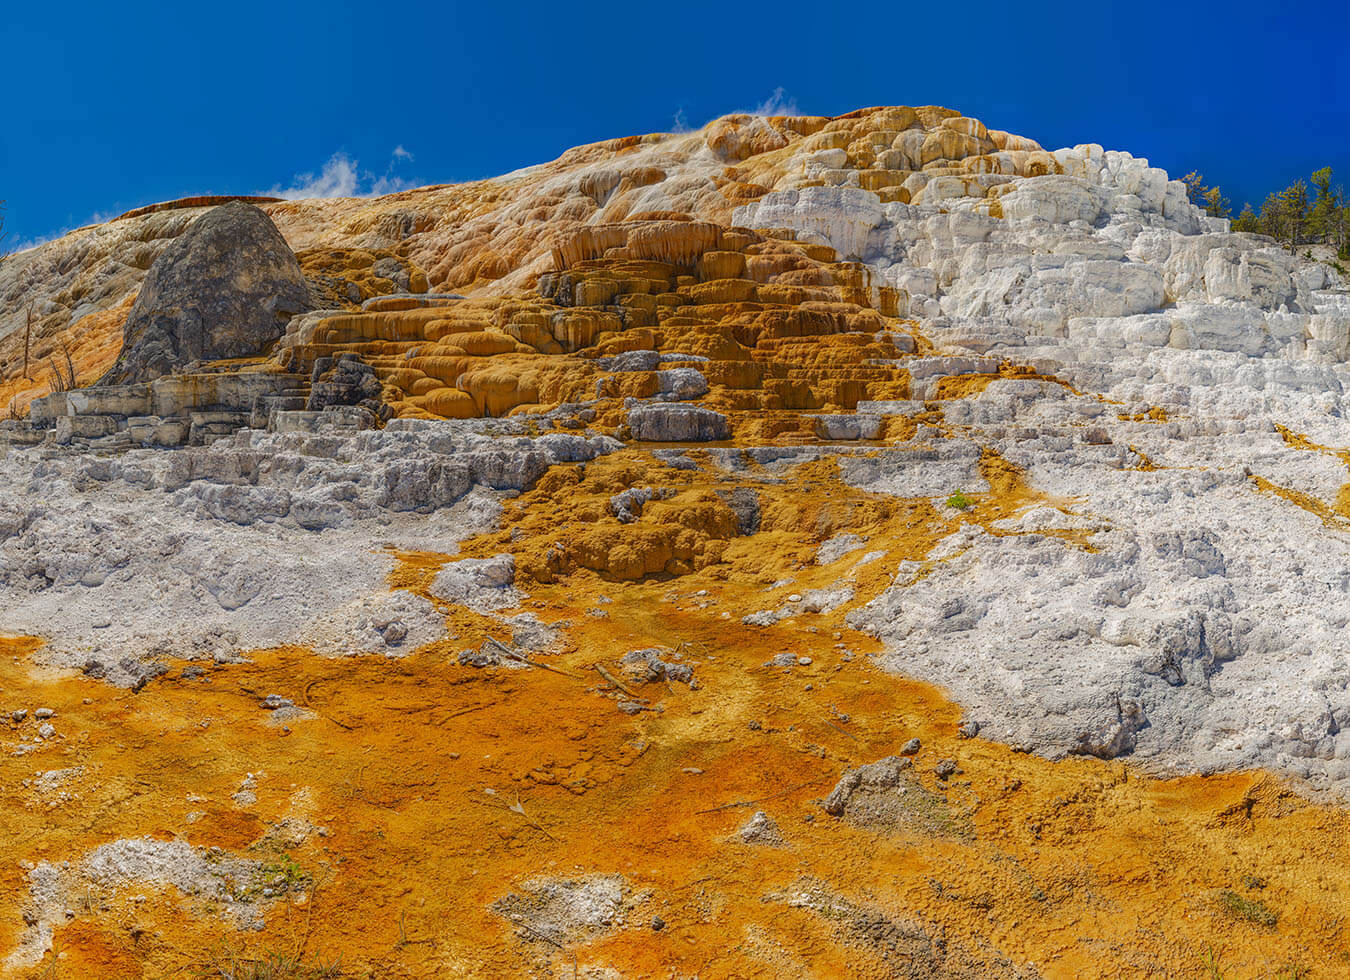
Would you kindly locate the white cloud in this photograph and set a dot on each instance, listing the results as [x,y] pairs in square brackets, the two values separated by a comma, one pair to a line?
[338,179]
[388,185]
[342,176]
[27,244]
[24,244]
[778,104]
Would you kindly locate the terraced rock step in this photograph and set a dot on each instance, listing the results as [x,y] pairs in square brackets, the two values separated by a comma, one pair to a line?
[181,409]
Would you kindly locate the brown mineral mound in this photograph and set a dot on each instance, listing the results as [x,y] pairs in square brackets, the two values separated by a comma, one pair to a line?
[497,236]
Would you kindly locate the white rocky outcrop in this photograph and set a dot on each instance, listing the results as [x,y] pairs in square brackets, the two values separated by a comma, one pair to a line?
[265,539]
[1205,627]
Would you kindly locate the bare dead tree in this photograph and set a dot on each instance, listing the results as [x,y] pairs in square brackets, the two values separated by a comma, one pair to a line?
[63,378]
[58,383]
[27,343]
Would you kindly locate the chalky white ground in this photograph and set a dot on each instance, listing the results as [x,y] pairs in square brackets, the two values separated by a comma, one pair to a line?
[257,542]
[1205,631]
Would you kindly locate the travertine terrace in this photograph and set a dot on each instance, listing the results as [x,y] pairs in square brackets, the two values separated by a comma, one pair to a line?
[873,546]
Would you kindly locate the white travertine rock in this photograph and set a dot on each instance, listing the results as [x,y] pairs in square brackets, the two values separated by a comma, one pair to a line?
[841,217]
[1054,198]
[1236,327]
[1205,628]
[119,561]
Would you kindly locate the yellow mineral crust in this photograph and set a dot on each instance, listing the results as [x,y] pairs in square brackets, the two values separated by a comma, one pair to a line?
[1334,514]
[441,789]
[772,323]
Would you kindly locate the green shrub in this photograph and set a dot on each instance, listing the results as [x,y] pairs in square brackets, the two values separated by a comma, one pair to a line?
[226,964]
[960,501]
[1250,909]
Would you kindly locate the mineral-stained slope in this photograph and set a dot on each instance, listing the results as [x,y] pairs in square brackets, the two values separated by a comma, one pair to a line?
[518,610]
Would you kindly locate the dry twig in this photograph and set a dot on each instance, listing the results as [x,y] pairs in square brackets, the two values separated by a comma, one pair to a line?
[762,799]
[615,681]
[519,657]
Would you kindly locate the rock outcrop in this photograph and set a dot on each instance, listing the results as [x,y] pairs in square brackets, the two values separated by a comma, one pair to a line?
[225,288]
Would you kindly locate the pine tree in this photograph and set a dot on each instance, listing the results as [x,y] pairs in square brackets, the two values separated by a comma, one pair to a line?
[1294,211]
[1294,215]
[1284,214]
[1195,188]
[1216,205]
[1271,219]
[1324,217]
[1247,220]
[1343,225]
[1207,199]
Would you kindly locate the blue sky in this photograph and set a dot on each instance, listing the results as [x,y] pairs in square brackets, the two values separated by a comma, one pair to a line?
[113,106]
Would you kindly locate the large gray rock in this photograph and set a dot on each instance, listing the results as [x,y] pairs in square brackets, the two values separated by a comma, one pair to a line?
[677,423]
[225,288]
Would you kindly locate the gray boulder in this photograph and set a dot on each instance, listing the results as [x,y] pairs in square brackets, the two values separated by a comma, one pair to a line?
[681,384]
[630,360]
[875,777]
[225,288]
[481,584]
[677,423]
[761,829]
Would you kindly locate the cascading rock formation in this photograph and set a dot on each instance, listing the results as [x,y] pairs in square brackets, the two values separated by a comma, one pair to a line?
[1025,424]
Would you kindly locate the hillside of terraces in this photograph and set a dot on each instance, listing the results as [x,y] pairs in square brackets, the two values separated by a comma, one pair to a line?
[871,546]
